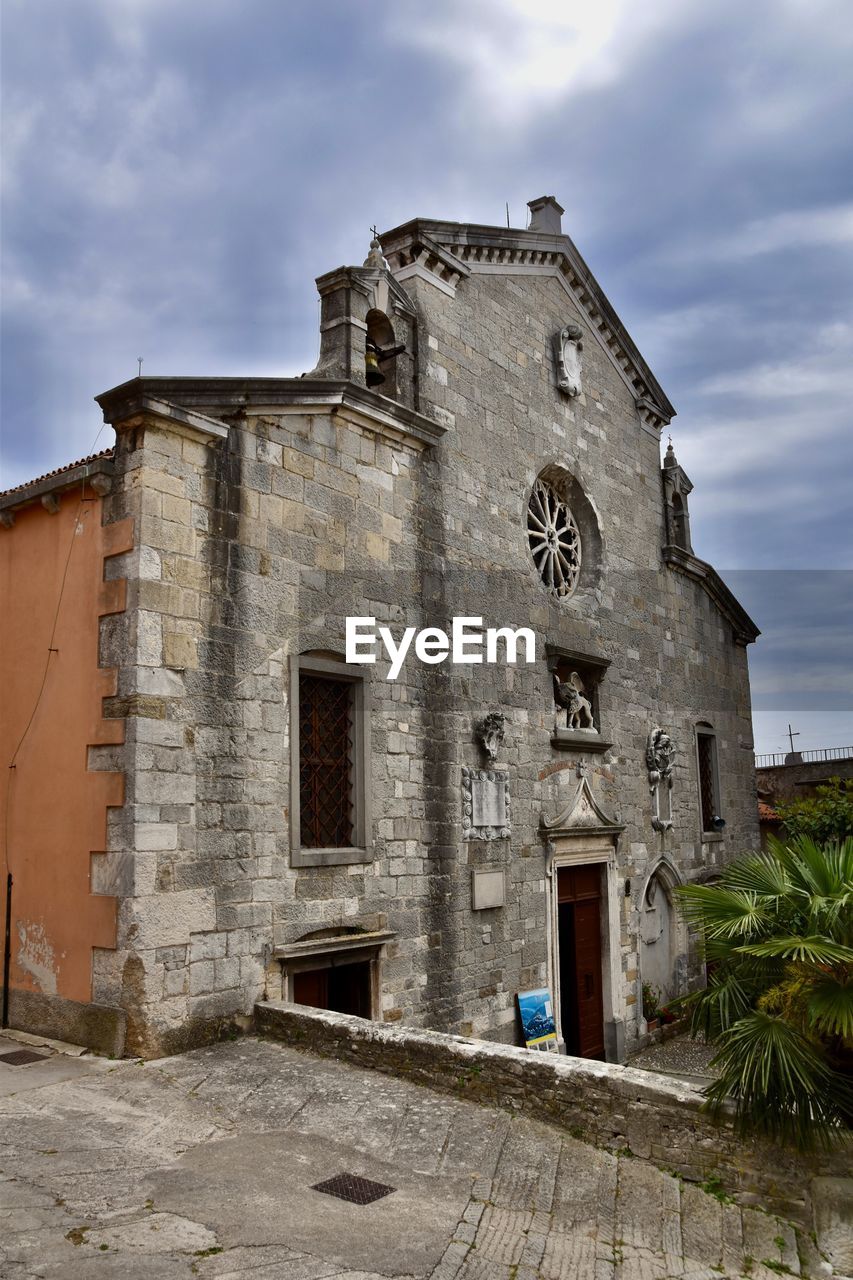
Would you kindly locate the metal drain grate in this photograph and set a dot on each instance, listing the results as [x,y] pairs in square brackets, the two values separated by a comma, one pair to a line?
[20,1057]
[349,1186]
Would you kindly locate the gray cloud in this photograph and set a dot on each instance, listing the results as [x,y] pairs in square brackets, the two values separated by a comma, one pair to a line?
[176,175]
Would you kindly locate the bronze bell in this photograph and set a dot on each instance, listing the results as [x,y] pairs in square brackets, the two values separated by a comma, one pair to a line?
[374,375]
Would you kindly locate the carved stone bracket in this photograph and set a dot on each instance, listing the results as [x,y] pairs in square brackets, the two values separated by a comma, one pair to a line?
[485,804]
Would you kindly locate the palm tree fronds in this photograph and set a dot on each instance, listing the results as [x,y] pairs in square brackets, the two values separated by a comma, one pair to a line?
[815,950]
[723,913]
[758,873]
[778,928]
[713,1010]
[830,1006]
[781,1083]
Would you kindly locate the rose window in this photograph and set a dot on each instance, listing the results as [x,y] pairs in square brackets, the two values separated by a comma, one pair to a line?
[554,539]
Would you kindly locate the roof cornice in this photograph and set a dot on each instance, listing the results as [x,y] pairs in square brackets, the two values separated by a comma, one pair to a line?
[450,251]
[745,630]
[203,405]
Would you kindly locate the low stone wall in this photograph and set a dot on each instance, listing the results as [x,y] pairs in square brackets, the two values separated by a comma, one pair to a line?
[620,1108]
[98,1026]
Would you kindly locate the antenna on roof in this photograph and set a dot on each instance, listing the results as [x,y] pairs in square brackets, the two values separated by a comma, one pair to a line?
[507,213]
[139,362]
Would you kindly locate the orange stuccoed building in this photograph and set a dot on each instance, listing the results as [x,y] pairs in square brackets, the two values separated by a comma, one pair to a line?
[59,785]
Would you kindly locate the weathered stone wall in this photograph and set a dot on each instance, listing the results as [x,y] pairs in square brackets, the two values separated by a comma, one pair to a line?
[256,546]
[797,781]
[620,1108]
[489,375]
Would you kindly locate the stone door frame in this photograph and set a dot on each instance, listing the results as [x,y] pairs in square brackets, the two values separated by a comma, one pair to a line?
[586,850]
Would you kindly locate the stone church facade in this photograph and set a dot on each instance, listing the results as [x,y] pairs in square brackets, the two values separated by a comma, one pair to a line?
[480,439]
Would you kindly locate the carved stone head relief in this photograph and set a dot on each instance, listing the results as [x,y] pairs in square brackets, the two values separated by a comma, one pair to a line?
[491,731]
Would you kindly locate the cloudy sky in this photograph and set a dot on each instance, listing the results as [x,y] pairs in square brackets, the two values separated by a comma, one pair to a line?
[177,172]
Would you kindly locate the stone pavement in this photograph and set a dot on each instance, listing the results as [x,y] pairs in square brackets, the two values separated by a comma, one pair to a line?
[681,1057]
[203,1165]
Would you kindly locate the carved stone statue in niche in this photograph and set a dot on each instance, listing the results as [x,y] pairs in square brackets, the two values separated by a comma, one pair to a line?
[660,753]
[491,732]
[570,700]
[567,349]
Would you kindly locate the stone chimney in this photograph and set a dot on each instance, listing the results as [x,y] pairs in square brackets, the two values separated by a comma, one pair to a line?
[546,216]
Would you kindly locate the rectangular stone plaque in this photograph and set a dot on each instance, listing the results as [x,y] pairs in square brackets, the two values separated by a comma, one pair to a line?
[485,804]
[488,802]
[488,890]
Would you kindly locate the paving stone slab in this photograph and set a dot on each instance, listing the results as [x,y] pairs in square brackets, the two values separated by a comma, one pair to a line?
[204,1165]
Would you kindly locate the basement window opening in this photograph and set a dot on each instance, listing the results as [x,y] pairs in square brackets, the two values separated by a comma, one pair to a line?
[340,973]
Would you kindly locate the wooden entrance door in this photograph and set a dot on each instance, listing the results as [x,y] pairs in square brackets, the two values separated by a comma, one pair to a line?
[579,941]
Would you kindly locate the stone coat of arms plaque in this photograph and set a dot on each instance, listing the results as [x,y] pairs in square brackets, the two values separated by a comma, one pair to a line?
[485,804]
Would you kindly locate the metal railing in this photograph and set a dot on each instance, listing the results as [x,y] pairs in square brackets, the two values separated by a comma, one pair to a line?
[804,757]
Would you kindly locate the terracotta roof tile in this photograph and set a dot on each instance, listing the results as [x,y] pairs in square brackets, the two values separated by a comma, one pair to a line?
[57,471]
[766,812]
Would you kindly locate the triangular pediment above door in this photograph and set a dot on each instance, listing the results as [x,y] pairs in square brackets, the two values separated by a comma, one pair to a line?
[582,813]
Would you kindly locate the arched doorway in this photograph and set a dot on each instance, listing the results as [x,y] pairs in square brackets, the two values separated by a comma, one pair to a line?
[661,943]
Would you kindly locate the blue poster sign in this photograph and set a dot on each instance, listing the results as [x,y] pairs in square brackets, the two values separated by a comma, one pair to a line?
[537,1018]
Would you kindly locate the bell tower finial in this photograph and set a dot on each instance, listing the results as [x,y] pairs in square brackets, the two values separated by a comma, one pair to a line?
[375,257]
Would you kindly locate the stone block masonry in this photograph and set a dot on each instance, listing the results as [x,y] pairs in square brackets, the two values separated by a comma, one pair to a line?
[266,512]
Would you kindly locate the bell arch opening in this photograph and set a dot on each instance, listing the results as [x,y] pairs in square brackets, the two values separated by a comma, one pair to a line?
[379,362]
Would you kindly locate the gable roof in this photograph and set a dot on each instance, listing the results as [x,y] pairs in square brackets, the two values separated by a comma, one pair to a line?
[450,250]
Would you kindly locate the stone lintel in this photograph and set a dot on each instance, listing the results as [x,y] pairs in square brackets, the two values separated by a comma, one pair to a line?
[579,740]
[745,630]
[342,942]
[555,654]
